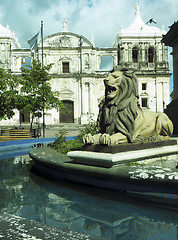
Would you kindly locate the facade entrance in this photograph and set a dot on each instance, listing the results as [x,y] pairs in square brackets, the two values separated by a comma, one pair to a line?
[69,116]
[24,117]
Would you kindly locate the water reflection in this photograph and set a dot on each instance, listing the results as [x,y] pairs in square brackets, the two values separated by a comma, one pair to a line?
[78,208]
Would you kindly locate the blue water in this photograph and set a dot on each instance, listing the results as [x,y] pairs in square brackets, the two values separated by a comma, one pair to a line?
[80,208]
[15,148]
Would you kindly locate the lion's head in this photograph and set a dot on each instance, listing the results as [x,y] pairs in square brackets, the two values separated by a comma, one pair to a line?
[121,83]
[119,109]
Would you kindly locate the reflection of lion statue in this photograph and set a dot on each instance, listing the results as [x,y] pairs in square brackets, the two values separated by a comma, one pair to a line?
[120,117]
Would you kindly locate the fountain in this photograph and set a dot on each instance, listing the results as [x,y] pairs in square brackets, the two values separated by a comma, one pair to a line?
[133,151]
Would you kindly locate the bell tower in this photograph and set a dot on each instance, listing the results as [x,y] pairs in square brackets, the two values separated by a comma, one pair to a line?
[140,48]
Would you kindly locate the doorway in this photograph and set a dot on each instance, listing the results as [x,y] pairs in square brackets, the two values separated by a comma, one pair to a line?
[24,117]
[69,116]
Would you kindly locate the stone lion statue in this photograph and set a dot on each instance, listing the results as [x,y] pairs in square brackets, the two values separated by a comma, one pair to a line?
[120,117]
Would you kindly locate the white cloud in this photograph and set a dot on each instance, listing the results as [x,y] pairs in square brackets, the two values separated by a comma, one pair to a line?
[102,18]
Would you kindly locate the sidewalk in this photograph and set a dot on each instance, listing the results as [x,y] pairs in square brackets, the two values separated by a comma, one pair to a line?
[52,132]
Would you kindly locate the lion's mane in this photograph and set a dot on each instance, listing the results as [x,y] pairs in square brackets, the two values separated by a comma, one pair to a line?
[119,114]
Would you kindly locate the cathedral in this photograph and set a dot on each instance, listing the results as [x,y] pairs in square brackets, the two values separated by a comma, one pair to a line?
[76,71]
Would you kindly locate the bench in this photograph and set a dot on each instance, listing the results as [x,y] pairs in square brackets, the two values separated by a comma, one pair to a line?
[14,134]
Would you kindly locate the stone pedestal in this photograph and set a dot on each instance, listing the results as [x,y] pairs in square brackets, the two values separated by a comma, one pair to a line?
[162,153]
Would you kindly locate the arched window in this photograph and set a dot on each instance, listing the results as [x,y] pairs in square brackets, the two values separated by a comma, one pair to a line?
[151,55]
[135,54]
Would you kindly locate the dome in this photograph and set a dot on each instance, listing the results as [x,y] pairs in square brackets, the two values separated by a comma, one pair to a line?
[139,28]
[5,32]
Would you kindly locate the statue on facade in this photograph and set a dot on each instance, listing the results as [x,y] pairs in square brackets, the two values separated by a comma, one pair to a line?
[121,120]
[65,25]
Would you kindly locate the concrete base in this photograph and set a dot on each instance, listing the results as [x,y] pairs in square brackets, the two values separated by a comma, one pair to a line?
[125,147]
[150,170]
[128,153]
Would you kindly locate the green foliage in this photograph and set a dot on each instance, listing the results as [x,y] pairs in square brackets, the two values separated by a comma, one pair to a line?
[62,145]
[132,163]
[68,145]
[89,128]
[61,136]
[31,92]
[36,91]
[36,88]
[8,94]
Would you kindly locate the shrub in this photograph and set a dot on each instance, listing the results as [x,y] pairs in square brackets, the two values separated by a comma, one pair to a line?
[89,128]
[62,145]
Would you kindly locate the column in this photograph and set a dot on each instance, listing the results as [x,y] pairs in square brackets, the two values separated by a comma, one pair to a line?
[85,95]
[159,97]
[90,98]
[82,98]
[85,102]
[98,62]
[114,60]
[129,52]
[143,54]
[156,100]
[79,100]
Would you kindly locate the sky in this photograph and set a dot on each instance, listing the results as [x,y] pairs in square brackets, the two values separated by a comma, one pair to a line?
[100,18]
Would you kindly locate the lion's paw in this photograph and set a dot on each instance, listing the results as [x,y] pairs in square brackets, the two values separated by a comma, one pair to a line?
[116,139]
[104,139]
[112,141]
[88,139]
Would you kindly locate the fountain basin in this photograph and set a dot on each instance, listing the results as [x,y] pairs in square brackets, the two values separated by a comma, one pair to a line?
[144,177]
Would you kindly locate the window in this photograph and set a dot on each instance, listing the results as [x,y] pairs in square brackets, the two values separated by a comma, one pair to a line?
[151,55]
[144,86]
[65,67]
[106,63]
[135,54]
[144,102]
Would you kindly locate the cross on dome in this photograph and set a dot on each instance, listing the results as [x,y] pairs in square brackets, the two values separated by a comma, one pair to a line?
[137,9]
[139,28]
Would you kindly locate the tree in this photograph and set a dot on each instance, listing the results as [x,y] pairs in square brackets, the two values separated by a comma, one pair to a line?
[8,94]
[36,92]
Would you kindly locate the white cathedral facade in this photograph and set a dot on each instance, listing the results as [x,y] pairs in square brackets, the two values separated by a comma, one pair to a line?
[76,71]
